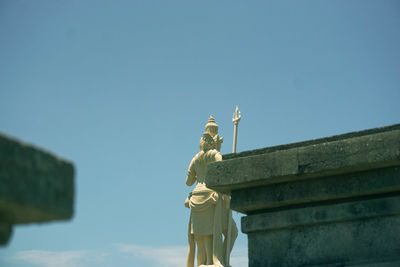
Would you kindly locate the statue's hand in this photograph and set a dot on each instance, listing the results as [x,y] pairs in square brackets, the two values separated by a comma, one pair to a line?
[187,203]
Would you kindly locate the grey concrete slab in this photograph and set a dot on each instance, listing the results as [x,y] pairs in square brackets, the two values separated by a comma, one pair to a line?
[265,150]
[352,242]
[322,214]
[332,201]
[35,185]
[302,192]
[377,150]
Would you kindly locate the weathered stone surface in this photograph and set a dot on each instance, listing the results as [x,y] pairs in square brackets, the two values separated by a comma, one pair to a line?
[377,150]
[311,142]
[327,188]
[347,243]
[35,186]
[322,214]
[328,202]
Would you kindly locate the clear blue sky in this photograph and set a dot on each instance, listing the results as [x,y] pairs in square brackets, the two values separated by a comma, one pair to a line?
[124,88]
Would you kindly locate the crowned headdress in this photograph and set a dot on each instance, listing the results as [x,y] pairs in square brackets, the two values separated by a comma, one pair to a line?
[212,129]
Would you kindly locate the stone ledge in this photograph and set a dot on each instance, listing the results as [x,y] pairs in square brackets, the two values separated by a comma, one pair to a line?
[371,151]
[333,213]
[304,192]
[311,142]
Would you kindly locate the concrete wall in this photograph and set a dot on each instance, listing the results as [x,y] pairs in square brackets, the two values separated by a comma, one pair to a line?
[327,202]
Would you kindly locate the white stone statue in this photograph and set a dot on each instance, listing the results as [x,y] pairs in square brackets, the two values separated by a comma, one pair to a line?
[209,210]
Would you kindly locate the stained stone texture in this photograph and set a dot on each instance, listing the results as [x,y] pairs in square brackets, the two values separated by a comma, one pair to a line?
[332,201]
[35,186]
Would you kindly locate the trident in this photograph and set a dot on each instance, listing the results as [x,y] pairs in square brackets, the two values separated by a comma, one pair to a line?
[235,119]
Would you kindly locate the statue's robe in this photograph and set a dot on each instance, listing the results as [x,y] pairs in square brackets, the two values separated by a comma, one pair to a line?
[208,209]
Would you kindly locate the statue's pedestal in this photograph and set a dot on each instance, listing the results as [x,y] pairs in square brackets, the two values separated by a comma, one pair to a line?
[327,202]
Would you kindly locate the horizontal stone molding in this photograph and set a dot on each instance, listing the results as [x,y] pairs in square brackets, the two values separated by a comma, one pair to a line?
[311,142]
[304,192]
[322,214]
[377,150]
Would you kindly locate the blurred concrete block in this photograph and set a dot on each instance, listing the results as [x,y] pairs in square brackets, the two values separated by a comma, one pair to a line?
[35,186]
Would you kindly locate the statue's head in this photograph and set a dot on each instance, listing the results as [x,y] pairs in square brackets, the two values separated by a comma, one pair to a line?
[207,142]
[212,127]
[212,130]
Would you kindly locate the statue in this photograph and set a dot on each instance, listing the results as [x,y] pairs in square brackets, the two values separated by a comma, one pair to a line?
[209,211]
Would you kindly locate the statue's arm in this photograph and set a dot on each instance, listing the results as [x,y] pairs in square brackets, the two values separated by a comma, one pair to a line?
[191,174]
[218,157]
